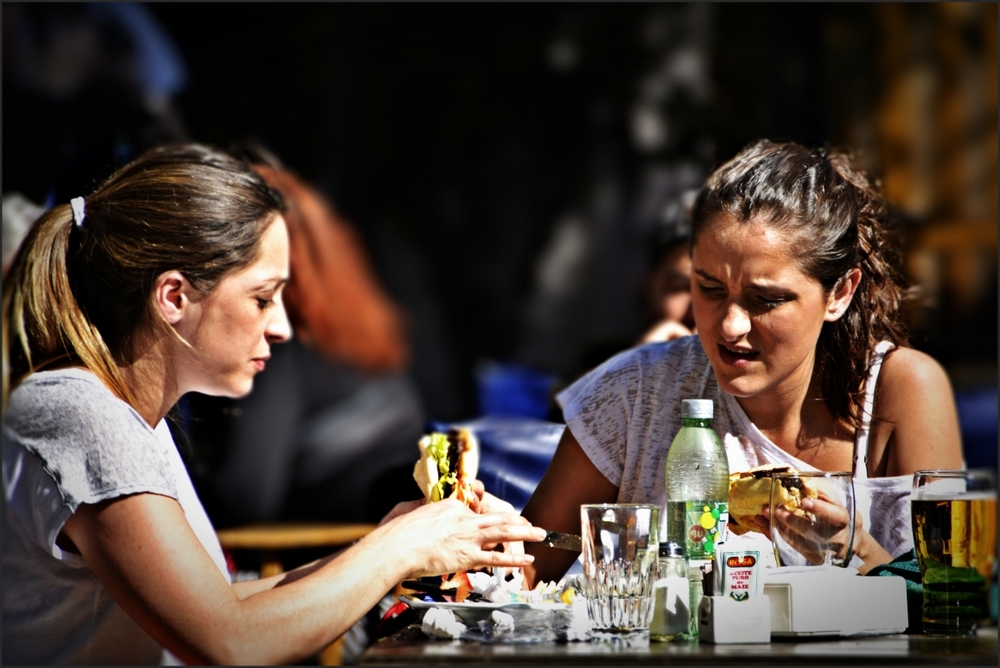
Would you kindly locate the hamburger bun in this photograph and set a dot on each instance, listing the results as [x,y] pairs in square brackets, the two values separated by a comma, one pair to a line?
[750,493]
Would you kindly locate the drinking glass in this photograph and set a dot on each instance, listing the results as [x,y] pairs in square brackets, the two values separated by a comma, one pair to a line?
[955,535]
[803,537]
[620,547]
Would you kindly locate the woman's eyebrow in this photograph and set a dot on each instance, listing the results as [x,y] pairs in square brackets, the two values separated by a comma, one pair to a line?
[272,283]
[706,275]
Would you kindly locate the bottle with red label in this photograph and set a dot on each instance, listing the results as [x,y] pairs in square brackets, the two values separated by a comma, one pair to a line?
[697,481]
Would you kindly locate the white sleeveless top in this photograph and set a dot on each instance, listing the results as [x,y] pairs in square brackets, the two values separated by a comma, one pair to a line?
[626,412]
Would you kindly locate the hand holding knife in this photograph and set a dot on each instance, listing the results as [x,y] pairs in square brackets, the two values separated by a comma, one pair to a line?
[563,541]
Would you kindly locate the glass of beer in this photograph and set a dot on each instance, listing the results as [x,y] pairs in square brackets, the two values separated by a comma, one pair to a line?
[955,534]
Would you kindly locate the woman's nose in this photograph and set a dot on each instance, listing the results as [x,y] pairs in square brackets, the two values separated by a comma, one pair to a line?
[279,329]
[735,322]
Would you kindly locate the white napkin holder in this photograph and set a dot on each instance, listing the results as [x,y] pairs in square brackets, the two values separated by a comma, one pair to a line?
[723,620]
[827,600]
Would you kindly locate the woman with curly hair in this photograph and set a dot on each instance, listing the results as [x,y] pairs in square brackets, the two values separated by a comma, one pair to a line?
[801,346]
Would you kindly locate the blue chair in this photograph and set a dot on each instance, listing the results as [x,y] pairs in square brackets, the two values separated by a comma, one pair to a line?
[977,418]
[513,389]
[514,452]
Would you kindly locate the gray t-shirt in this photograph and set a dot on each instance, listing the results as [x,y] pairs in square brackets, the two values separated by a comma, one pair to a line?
[68,440]
[626,412]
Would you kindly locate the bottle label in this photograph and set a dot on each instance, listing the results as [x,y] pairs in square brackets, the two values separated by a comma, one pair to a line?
[704,525]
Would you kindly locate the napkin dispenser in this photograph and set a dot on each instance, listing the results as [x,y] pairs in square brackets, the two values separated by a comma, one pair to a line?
[723,620]
[827,600]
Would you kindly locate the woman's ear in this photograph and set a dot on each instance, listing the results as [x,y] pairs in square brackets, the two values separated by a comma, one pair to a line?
[840,298]
[170,295]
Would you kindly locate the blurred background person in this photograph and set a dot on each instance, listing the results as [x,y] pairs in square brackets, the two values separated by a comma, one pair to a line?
[330,432]
[667,292]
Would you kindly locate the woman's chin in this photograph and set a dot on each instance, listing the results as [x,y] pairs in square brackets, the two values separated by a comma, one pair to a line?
[231,390]
[739,386]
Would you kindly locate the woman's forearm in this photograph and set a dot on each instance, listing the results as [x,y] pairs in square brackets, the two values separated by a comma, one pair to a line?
[338,590]
[145,554]
[250,587]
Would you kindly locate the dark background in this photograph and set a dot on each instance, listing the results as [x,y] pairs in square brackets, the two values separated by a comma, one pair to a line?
[469,143]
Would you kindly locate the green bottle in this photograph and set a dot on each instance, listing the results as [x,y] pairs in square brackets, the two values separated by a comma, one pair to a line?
[697,481]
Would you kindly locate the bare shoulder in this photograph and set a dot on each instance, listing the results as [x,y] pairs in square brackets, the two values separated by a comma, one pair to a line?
[908,375]
[917,423]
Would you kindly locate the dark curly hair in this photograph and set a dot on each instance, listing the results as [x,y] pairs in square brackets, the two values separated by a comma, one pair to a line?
[840,219]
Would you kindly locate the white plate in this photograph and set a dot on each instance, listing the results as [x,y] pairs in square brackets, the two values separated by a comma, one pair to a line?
[471,613]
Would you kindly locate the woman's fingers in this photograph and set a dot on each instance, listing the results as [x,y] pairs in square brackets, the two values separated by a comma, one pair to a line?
[814,539]
[487,520]
[476,502]
[507,559]
[509,533]
[827,512]
[455,538]
[402,508]
[492,504]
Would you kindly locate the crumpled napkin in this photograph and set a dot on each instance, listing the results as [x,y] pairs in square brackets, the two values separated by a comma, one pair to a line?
[441,623]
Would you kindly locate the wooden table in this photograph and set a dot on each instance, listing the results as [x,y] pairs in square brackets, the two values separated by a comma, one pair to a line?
[284,536]
[409,647]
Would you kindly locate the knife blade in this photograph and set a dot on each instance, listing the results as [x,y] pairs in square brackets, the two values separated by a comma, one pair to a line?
[563,541]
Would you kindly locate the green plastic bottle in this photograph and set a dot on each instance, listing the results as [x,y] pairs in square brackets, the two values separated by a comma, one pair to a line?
[697,481]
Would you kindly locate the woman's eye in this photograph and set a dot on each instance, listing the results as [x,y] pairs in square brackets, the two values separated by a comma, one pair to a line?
[771,303]
[711,291]
[263,304]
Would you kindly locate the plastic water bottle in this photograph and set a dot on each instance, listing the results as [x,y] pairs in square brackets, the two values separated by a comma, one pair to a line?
[697,476]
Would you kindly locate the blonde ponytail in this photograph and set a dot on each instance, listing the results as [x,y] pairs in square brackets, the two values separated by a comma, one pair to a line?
[79,290]
[42,322]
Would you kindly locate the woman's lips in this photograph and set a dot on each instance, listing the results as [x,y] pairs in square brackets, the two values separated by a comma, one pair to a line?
[737,359]
[259,363]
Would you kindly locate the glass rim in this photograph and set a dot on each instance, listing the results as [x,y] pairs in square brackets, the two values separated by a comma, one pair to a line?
[955,473]
[605,506]
[981,480]
[812,474]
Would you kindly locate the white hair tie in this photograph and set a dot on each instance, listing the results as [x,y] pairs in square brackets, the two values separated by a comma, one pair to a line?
[77,205]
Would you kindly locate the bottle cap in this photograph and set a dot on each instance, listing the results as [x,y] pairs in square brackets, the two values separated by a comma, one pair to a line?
[696,408]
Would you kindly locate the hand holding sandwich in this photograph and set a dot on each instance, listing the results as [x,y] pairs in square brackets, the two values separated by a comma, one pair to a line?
[447,469]
[829,528]
[448,537]
[823,526]
[806,516]
[481,501]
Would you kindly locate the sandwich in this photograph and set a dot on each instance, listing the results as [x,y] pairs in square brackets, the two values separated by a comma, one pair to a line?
[448,465]
[750,493]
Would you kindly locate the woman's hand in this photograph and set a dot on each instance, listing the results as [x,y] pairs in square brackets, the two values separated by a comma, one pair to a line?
[446,537]
[487,503]
[827,533]
[402,508]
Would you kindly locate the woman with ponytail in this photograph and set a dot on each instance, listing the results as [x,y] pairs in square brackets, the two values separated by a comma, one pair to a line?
[167,279]
[801,346]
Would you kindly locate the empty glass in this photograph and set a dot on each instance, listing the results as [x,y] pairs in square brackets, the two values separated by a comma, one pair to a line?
[620,547]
